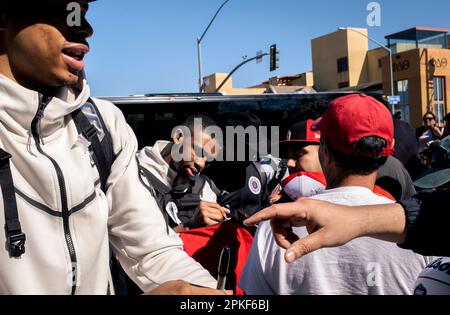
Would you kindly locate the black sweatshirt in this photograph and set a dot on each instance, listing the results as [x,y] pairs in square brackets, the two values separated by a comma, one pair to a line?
[428,223]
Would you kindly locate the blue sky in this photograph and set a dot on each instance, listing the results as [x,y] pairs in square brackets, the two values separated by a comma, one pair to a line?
[149,46]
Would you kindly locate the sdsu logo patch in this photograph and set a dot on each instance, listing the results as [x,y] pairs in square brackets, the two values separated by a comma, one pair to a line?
[255,185]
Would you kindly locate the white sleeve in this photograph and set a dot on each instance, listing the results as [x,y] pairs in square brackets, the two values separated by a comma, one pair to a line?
[149,252]
[303,187]
[257,277]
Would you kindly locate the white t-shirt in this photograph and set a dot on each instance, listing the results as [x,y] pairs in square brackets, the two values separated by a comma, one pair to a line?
[363,266]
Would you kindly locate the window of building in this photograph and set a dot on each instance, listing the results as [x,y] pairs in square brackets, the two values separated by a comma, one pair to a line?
[343,85]
[418,38]
[439,99]
[380,63]
[342,64]
[402,88]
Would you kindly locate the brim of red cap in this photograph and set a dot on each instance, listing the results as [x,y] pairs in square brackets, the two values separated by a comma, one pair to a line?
[284,146]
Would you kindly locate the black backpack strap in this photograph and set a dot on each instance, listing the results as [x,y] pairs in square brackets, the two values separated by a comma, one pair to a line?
[154,181]
[106,142]
[160,192]
[91,125]
[15,238]
[103,154]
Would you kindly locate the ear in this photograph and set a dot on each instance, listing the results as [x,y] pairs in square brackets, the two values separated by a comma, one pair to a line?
[178,136]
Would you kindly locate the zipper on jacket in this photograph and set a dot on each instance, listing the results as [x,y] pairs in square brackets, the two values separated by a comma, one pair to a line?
[43,102]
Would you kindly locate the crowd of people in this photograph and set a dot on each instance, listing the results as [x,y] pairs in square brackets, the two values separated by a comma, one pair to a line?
[88,212]
[357,137]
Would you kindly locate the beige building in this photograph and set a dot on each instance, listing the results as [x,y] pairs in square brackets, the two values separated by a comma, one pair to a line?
[342,61]
[303,79]
[421,72]
[301,83]
[214,81]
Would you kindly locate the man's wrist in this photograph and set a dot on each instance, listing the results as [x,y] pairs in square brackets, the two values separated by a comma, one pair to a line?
[387,222]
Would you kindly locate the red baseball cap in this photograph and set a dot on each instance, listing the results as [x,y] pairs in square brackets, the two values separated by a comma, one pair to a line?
[301,133]
[351,118]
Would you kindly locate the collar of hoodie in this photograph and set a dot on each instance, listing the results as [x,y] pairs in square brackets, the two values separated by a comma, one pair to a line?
[19,106]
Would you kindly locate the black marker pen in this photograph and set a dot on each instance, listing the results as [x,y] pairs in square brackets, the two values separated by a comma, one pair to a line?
[224,265]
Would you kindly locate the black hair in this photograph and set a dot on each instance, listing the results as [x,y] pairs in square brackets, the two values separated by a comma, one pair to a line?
[242,120]
[429,113]
[206,122]
[366,158]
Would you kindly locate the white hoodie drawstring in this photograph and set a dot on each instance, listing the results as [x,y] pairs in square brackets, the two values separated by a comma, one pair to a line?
[41,138]
[30,137]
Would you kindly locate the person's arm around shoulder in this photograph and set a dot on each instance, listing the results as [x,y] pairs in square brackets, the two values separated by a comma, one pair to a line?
[420,224]
[330,225]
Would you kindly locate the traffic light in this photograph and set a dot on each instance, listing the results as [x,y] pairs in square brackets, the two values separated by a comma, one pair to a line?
[274,58]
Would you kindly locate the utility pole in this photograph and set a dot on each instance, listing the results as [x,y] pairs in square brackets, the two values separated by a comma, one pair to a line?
[199,48]
[257,57]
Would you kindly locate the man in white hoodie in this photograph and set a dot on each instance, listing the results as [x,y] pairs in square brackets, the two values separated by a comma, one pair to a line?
[183,173]
[65,216]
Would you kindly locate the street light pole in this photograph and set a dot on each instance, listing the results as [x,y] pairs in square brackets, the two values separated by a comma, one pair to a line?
[199,48]
[391,69]
[200,66]
[382,46]
[238,67]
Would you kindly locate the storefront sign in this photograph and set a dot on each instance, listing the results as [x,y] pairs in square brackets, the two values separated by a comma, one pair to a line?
[439,62]
[401,66]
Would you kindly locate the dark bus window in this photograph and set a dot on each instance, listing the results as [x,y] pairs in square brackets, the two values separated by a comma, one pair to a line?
[152,122]
[155,121]
[281,112]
